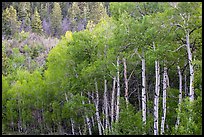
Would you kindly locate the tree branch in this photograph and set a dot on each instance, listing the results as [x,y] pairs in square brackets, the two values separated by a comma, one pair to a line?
[194,29]
[177,48]
[138,54]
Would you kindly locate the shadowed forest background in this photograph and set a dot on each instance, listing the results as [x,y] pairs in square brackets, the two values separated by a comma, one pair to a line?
[102,68]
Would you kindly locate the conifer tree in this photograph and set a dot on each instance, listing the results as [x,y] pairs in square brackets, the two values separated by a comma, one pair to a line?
[97,11]
[56,19]
[24,14]
[10,24]
[36,22]
[74,15]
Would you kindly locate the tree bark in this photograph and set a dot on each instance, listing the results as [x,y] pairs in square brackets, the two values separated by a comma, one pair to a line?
[126,81]
[180,95]
[165,80]
[118,90]
[113,101]
[156,98]
[106,104]
[143,92]
[97,110]
[92,118]
[191,88]
[87,120]
[71,120]
[185,86]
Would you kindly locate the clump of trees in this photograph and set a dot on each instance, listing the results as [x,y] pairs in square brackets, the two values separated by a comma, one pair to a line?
[137,71]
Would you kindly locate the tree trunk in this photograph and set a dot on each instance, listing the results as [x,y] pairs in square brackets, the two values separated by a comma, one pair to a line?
[126,81]
[97,110]
[106,104]
[180,95]
[191,88]
[112,101]
[156,98]
[143,92]
[164,99]
[118,90]
[87,120]
[138,97]
[185,86]
[92,118]
[72,122]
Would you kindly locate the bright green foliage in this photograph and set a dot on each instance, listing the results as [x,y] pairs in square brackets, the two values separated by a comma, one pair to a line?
[130,121]
[36,22]
[191,118]
[45,100]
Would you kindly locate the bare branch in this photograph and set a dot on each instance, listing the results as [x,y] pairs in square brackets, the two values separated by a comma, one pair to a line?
[130,75]
[194,29]
[138,53]
[177,48]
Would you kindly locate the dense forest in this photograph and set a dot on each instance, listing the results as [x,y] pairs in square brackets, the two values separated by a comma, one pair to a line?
[102,68]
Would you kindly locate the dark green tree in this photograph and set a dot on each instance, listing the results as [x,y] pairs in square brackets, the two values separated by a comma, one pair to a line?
[56,19]
[24,15]
[36,22]
[10,24]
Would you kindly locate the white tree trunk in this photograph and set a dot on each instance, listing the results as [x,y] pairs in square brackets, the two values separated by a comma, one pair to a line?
[165,80]
[180,95]
[106,104]
[191,88]
[87,120]
[97,110]
[113,101]
[72,121]
[118,90]
[126,81]
[156,98]
[185,86]
[92,118]
[143,92]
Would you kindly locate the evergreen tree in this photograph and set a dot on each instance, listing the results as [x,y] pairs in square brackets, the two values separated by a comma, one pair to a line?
[36,22]
[74,15]
[10,24]
[24,14]
[56,19]
[97,11]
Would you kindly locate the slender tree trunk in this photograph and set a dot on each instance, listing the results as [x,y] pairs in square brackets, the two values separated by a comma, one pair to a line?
[164,99]
[97,110]
[191,88]
[72,124]
[180,96]
[185,86]
[156,98]
[80,133]
[118,90]
[103,117]
[113,101]
[87,120]
[92,118]
[106,104]
[138,97]
[126,81]
[71,120]
[143,92]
